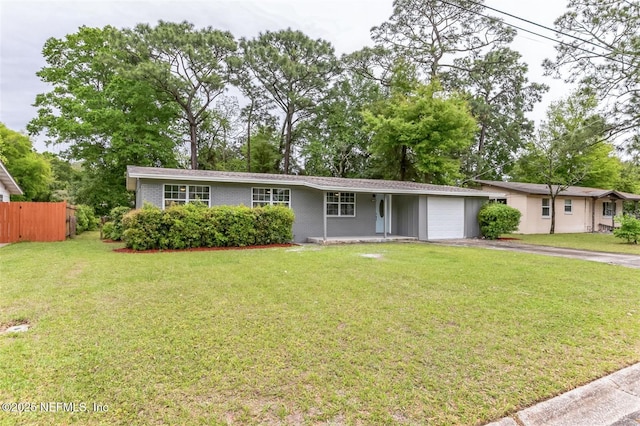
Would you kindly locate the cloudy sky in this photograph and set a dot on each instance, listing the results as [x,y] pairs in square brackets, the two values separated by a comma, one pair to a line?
[26,24]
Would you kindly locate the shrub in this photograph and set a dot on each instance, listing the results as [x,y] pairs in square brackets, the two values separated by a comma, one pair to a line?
[86,220]
[107,229]
[115,216]
[191,225]
[629,229]
[497,219]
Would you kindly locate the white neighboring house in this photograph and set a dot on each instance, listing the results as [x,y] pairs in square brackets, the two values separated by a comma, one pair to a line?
[8,185]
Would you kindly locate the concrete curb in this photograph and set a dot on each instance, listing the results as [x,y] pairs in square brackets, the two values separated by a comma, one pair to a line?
[613,400]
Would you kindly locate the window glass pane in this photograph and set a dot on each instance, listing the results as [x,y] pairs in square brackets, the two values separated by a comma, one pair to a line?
[333,198]
[332,209]
[347,210]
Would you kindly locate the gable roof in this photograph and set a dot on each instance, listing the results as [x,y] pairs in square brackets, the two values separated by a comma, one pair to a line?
[316,182]
[572,191]
[8,182]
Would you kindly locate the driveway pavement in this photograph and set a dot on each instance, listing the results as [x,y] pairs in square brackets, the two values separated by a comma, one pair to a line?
[613,400]
[628,260]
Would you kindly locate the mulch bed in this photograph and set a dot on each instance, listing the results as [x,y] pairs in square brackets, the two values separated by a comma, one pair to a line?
[509,239]
[128,250]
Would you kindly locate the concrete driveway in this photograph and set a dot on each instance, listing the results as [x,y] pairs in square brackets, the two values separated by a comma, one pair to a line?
[628,260]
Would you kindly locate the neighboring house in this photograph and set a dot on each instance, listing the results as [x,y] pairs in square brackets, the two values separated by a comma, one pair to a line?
[8,186]
[324,207]
[578,209]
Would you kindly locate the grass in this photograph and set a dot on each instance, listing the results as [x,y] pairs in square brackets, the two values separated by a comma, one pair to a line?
[307,335]
[586,241]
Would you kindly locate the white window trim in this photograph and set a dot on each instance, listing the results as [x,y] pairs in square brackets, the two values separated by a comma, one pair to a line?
[186,200]
[271,202]
[549,207]
[339,203]
[570,205]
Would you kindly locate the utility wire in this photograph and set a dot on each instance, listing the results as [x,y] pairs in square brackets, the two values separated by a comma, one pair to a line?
[542,26]
[598,54]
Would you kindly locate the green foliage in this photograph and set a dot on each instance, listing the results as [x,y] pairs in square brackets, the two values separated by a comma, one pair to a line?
[498,219]
[190,67]
[107,230]
[192,225]
[31,171]
[629,229]
[86,219]
[116,215]
[105,117]
[294,70]
[421,135]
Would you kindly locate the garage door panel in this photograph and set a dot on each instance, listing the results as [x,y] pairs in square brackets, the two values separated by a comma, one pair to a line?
[445,218]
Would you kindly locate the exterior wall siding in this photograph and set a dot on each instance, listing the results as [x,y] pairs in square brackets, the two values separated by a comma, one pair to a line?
[405,220]
[586,214]
[4,193]
[471,208]
[362,224]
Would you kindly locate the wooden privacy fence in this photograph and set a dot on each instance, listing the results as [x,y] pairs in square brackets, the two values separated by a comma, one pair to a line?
[30,221]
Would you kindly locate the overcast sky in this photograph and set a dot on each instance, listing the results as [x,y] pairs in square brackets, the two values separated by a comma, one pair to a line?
[25,25]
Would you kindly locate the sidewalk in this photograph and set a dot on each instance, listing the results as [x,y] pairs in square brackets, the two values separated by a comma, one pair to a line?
[613,400]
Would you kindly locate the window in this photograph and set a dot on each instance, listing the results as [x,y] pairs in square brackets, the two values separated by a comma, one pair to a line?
[341,204]
[498,200]
[181,194]
[270,197]
[568,207]
[608,209]
[546,207]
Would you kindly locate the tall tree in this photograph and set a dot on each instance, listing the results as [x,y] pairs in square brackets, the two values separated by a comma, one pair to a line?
[191,67]
[567,148]
[31,170]
[103,118]
[431,34]
[294,70]
[500,95]
[337,141]
[419,133]
[599,50]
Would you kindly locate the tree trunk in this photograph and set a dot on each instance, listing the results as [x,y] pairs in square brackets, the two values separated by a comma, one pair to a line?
[403,163]
[249,117]
[287,140]
[552,206]
[194,144]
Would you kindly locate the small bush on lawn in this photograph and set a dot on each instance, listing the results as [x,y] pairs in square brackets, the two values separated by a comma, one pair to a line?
[629,229]
[86,220]
[115,215]
[107,229]
[497,219]
[192,225]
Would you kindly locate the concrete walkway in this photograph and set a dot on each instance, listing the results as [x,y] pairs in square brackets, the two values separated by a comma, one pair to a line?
[628,260]
[613,400]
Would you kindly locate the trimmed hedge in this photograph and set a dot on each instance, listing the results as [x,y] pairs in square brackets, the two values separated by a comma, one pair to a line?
[193,225]
[497,219]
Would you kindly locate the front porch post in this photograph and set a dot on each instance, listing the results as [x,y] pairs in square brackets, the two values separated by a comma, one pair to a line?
[324,216]
[593,215]
[386,214]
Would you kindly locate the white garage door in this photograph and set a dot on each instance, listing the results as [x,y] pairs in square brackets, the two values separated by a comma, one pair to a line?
[445,218]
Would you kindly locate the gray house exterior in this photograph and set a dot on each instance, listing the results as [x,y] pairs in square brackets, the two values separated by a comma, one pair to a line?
[324,207]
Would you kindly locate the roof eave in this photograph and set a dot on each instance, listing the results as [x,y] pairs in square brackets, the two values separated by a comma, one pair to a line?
[131,185]
[8,181]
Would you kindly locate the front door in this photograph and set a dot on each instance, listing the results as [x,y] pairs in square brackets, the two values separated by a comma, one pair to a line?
[380,210]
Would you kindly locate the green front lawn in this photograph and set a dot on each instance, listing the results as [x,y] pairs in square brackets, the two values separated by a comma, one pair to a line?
[594,242]
[420,334]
